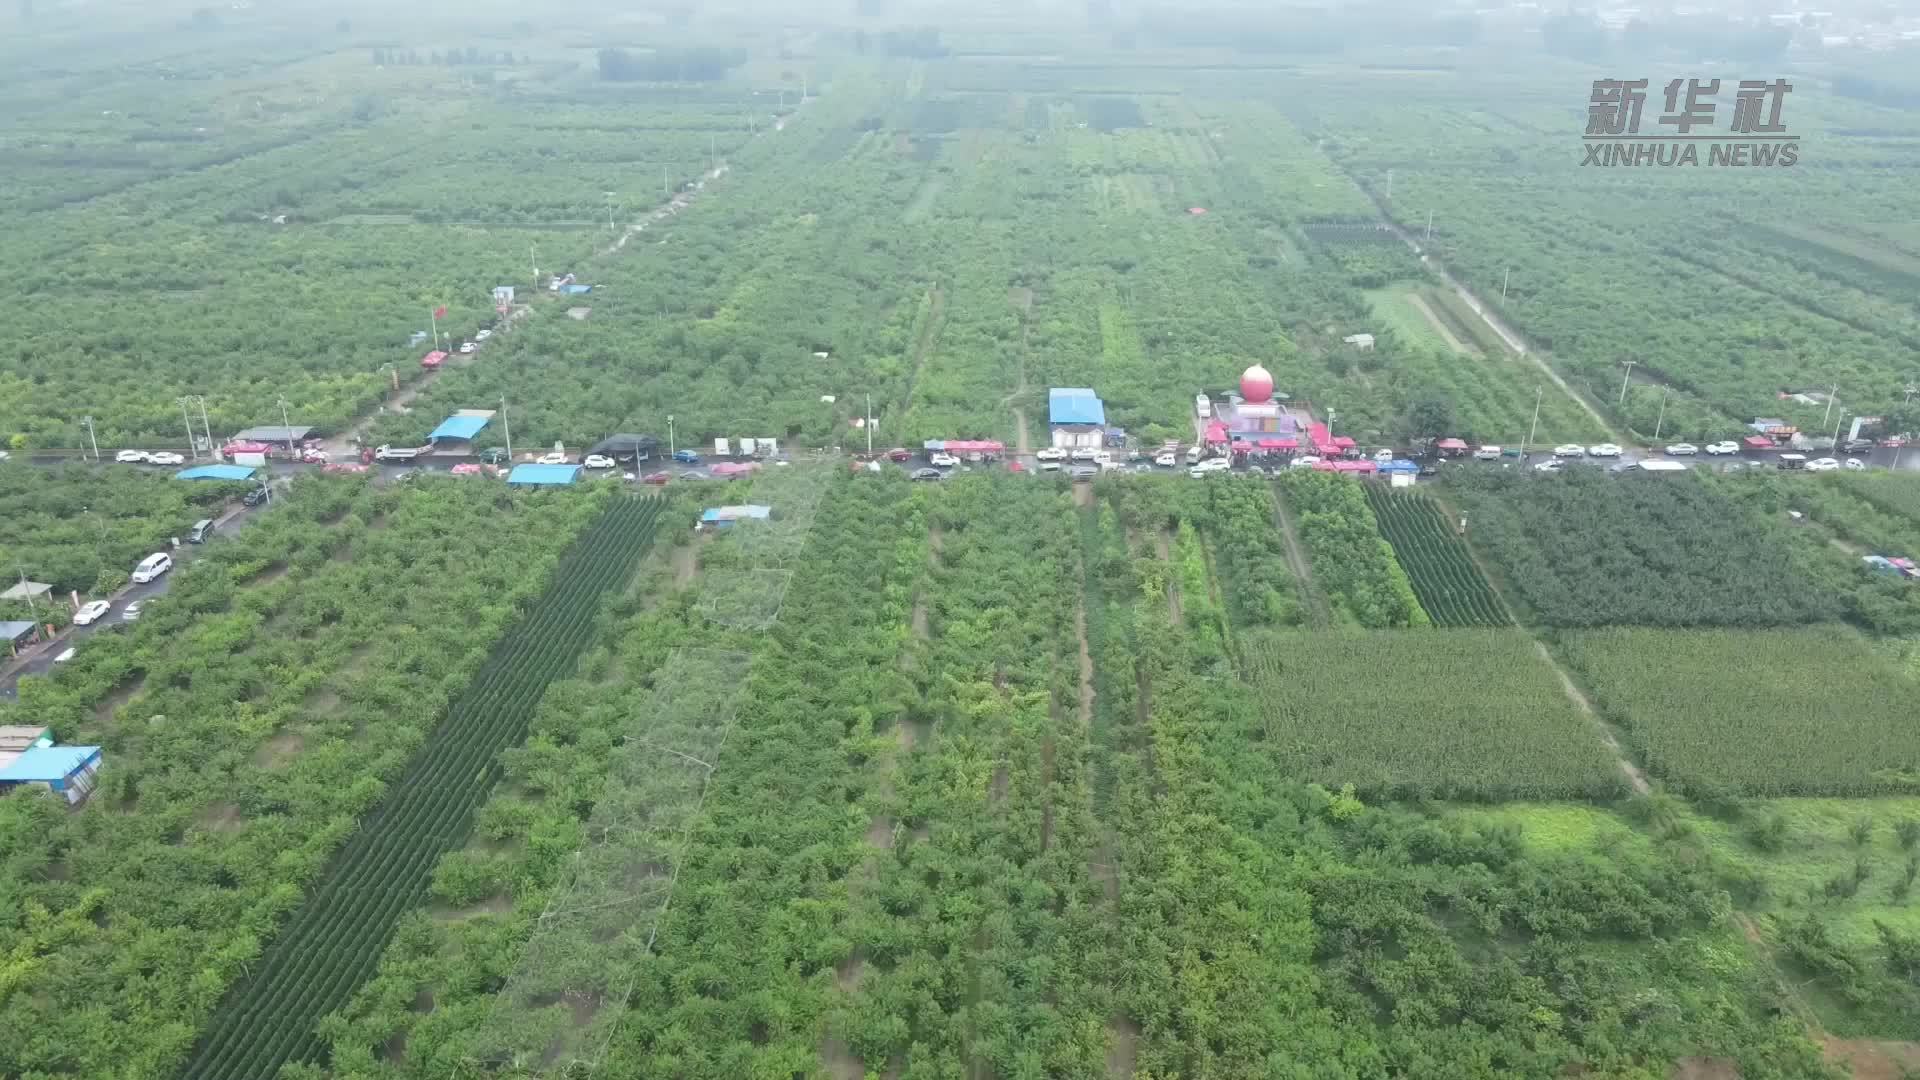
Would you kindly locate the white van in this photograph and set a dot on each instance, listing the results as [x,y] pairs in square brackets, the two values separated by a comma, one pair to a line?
[1193,454]
[152,567]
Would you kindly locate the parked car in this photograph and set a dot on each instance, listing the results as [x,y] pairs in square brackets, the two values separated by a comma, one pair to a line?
[493,455]
[1218,464]
[1681,449]
[1085,453]
[254,497]
[1050,465]
[1793,461]
[1825,464]
[483,335]
[1255,470]
[1303,462]
[1199,473]
[1550,465]
[901,453]
[312,456]
[1487,453]
[1383,455]
[1854,446]
[131,613]
[1569,450]
[167,457]
[1167,460]
[466,347]
[686,457]
[598,461]
[656,478]
[942,460]
[1723,448]
[928,474]
[152,567]
[90,611]
[200,531]
[131,457]
[1052,453]
[1605,449]
[65,655]
[1084,473]
[1854,463]
[553,457]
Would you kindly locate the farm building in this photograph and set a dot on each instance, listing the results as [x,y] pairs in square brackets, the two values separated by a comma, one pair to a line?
[1362,342]
[723,517]
[1078,418]
[67,771]
[28,591]
[17,739]
[16,635]
[1400,472]
[459,428]
[216,472]
[626,446]
[543,475]
[272,434]
[1252,414]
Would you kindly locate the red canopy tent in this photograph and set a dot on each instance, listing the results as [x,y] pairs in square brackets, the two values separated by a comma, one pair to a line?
[1451,444]
[1279,444]
[1345,466]
[1758,442]
[1216,432]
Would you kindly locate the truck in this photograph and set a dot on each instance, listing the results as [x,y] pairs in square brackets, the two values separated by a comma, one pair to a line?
[720,448]
[255,458]
[401,453]
[746,447]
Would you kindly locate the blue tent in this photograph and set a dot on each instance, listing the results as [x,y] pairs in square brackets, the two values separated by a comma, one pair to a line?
[458,427]
[216,472]
[543,474]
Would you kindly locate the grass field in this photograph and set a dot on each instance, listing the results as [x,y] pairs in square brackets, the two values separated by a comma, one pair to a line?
[1414,713]
[1758,712]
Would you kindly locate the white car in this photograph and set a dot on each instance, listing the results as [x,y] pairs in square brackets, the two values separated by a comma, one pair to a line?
[1304,462]
[1050,465]
[1569,450]
[131,612]
[1487,453]
[1681,449]
[1825,464]
[943,460]
[130,457]
[598,461]
[1166,460]
[1052,453]
[466,347]
[1552,465]
[555,458]
[1086,453]
[1383,456]
[483,335]
[1218,464]
[91,611]
[167,457]
[1722,448]
[1855,463]
[1605,449]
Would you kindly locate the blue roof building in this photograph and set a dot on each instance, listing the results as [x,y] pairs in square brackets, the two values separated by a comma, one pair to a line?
[576,290]
[459,426]
[723,517]
[216,472]
[68,771]
[543,475]
[1075,405]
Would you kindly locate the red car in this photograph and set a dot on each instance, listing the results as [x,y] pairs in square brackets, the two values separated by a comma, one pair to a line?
[466,468]
[433,359]
[313,456]
[343,467]
[657,478]
[899,454]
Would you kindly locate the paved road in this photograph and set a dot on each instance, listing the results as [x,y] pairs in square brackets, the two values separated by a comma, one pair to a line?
[39,659]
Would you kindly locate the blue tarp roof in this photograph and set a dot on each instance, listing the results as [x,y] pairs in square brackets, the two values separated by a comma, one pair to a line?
[543,474]
[577,290]
[735,513]
[1401,465]
[216,472]
[44,763]
[1075,405]
[458,427]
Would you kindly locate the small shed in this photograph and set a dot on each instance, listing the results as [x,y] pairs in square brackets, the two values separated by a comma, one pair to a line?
[1078,418]
[723,517]
[543,475]
[16,635]
[461,426]
[18,739]
[67,771]
[216,472]
[27,590]
[575,290]
[273,434]
[1359,341]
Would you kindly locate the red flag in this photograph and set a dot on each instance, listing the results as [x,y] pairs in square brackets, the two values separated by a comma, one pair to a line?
[440,312]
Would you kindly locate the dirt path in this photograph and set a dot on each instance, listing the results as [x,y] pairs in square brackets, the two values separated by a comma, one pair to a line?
[1440,327]
[1310,597]
[1635,778]
[1175,607]
[928,334]
[1022,298]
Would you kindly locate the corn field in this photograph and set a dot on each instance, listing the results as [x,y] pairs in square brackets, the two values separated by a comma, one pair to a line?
[1451,588]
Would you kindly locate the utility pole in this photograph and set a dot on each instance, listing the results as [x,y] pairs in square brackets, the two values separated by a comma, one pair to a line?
[1662,418]
[1535,426]
[669,435]
[286,428]
[202,399]
[188,417]
[29,592]
[869,425]
[506,428]
[664,193]
[1504,275]
[609,211]
[1429,235]
[1389,185]
[1623,380]
[1834,393]
[534,261]
[1836,430]
[1330,415]
[88,420]
[713,151]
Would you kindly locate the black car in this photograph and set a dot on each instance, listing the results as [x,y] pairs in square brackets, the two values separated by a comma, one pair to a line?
[1855,445]
[927,474]
[255,497]
[493,455]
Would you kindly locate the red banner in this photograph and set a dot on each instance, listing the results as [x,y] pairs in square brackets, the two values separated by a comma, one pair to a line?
[440,312]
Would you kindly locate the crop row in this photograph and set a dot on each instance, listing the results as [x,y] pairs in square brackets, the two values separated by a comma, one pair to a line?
[1451,589]
[334,940]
